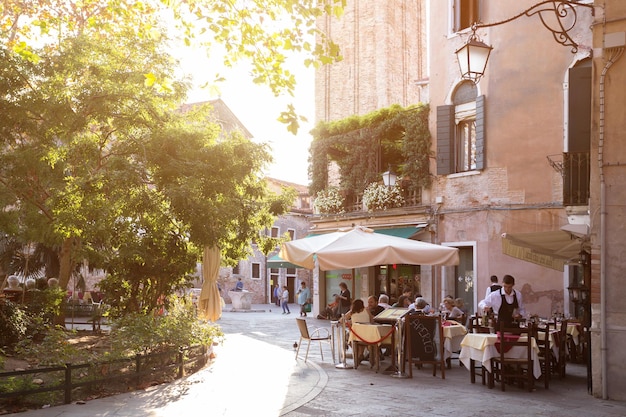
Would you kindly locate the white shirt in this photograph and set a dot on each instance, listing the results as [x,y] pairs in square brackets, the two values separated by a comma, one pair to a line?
[489,289]
[494,300]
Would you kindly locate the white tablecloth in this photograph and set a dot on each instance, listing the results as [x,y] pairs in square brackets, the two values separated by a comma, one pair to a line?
[481,347]
[453,335]
[371,333]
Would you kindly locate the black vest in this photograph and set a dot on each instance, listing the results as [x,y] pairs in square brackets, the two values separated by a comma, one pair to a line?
[505,314]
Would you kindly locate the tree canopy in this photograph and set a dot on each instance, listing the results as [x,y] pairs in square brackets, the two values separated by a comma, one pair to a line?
[262,32]
[98,162]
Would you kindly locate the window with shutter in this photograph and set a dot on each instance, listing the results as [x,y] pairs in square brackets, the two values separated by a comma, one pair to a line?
[466,13]
[461,132]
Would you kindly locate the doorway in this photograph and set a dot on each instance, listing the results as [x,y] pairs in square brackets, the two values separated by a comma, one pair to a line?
[465,280]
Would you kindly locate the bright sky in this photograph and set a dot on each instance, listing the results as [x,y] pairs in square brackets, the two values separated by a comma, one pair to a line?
[257,108]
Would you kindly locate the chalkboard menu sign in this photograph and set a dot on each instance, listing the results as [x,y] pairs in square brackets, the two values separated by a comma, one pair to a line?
[423,337]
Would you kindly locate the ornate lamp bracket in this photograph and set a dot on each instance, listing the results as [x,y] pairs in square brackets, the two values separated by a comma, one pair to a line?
[558,16]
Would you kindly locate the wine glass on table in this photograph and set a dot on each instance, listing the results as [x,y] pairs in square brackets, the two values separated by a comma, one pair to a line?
[515,317]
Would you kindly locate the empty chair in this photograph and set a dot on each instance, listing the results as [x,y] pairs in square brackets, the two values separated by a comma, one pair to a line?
[474,325]
[561,359]
[317,335]
[542,337]
[516,365]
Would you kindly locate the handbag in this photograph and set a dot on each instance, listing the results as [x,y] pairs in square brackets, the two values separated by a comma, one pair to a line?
[307,307]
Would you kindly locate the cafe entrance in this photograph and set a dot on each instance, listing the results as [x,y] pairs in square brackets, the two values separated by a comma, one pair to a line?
[394,279]
[464,282]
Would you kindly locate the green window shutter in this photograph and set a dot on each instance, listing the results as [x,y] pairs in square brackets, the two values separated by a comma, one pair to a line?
[445,139]
[480,132]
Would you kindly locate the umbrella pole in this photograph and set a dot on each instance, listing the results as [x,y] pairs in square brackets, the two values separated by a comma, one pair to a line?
[353,284]
[400,350]
[342,341]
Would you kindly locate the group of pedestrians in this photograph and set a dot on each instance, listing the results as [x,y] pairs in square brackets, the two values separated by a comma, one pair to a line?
[281,298]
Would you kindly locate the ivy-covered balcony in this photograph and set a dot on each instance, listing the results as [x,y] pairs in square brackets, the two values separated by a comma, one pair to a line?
[348,158]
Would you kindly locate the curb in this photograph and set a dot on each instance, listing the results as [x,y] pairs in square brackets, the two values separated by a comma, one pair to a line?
[314,392]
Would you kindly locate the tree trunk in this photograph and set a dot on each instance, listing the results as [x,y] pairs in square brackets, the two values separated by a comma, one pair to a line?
[66,262]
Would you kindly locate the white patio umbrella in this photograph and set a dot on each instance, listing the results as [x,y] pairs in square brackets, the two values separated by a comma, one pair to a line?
[361,247]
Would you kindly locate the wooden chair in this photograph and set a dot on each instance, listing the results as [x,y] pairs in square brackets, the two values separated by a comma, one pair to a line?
[561,360]
[474,325]
[318,335]
[424,342]
[507,369]
[462,320]
[542,338]
[374,346]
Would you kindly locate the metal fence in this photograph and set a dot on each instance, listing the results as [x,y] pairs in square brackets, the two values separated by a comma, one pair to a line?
[72,382]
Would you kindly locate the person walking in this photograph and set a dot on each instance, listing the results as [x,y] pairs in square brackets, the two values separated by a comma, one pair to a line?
[304,297]
[285,300]
[277,295]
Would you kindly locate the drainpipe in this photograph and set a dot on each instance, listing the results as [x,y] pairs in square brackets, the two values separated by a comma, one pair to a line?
[614,55]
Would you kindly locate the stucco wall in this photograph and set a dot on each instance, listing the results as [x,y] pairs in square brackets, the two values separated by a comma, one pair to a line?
[609,242]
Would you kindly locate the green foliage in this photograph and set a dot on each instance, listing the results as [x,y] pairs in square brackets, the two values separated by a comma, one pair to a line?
[53,349]
[16,384]
[144,333]
[122,179]
[364,146]
[264,32]
[96,161]
[14,324]
[20,322]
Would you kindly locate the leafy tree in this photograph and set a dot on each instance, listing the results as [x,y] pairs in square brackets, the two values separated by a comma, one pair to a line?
[263,32]
[364,146]
[97,162]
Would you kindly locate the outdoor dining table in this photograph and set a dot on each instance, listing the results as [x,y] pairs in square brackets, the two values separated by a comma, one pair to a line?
[373,334]
[573,329]
[453,333]
[481,347]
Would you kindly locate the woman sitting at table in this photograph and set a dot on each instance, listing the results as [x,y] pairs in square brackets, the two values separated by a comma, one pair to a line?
[451,311]
[358,313]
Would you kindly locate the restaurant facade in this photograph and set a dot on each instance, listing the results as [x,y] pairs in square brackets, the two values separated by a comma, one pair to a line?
[527,163]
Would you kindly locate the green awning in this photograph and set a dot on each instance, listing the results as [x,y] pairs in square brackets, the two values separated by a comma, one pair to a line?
[278,262]
[405,232]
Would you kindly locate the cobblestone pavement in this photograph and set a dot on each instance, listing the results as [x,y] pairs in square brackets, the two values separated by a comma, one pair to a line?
[255,374]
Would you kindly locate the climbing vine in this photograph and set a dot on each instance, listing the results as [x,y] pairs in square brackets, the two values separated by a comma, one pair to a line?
[365,146]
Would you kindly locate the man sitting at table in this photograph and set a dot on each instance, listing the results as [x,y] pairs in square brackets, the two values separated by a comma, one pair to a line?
[373,306]
[506,303]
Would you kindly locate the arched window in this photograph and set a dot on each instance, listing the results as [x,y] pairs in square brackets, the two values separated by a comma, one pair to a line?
[461,131]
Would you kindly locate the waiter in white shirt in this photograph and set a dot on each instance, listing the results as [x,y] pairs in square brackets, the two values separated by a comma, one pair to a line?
[506,302]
